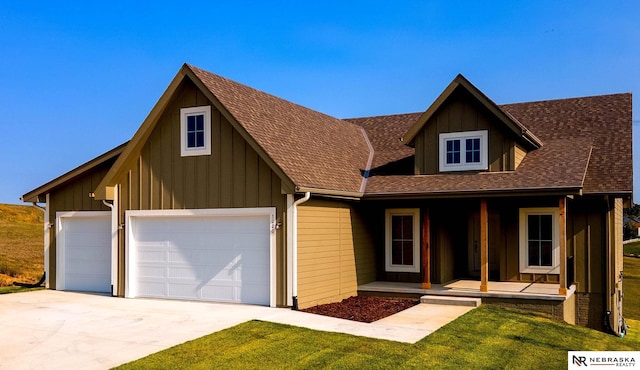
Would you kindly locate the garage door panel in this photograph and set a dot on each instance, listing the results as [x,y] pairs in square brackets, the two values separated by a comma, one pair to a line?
[158,272]
[85,250]
[215,258]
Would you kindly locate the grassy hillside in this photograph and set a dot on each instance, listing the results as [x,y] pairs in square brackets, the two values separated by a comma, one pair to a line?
[21,244]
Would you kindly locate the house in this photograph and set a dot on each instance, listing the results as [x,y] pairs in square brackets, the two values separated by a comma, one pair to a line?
[631,227]
[226,193]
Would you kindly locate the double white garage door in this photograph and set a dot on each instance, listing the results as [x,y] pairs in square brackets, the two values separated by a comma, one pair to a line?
[223,255]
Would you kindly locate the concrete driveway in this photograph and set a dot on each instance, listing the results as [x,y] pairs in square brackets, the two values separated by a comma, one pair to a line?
[50,329]
[53,329]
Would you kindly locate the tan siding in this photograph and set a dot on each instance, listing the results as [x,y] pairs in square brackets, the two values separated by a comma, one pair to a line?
[519,154]
[335,252]
[460,114]
[233,176]
[615,259]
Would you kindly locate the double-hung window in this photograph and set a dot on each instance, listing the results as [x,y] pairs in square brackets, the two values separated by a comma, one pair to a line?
[461,151]
[195,131]
[402,240]
[539,240]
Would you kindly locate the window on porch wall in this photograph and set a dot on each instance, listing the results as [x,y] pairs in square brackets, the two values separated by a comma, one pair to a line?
[402,253]
[539,240]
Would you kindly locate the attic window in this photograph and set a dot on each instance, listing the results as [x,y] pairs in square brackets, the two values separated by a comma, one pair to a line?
[195,131]
[462,151]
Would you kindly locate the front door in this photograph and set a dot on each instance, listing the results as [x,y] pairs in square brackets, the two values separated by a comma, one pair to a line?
[473,265]
[473,268]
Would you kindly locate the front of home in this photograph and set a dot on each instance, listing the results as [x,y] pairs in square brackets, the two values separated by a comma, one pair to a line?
[229,194]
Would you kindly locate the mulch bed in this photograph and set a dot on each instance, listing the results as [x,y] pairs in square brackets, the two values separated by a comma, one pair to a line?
[364,308]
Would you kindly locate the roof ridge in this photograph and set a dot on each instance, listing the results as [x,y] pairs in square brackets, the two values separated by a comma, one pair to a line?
[269,94]
[565,99]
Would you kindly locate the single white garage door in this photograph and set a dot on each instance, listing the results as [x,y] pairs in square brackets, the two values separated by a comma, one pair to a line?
[84,251]
[221,255]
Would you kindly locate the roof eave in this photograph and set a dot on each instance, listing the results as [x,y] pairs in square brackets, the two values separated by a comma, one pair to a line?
[475,193]
[36,194]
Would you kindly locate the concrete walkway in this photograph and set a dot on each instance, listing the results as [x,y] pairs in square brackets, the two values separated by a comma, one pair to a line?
[51,329]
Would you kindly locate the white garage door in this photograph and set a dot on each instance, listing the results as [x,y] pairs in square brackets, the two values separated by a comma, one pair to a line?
[208,255]
[84,251]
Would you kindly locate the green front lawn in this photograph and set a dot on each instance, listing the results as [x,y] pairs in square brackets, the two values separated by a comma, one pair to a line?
[632,247]
[487,337]
[631,288]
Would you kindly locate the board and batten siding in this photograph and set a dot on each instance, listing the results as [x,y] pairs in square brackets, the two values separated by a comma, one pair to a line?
[335,252]
[460,114]
[73,196]
[233,176]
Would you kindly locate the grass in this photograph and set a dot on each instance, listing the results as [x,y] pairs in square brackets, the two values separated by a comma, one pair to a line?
[632,247]
[21,235]
[16,289]
[631,288]
[487,337]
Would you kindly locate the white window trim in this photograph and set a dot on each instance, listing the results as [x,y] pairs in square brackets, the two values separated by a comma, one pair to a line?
[186,112]
[415,212]
[555,254]
[463,166]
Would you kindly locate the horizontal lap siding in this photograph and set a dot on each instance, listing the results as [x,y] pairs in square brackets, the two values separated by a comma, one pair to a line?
[233,176]
[335,253]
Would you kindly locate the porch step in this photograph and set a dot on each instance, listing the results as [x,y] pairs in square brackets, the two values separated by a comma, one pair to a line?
[451,301]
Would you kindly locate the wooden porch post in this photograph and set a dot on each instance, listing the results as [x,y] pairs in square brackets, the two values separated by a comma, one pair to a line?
[563,245]
[426,250]
[484,246]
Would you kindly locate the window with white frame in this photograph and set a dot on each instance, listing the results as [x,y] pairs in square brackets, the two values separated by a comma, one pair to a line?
[539,240]
[195,131]
[402,240]
[462,151]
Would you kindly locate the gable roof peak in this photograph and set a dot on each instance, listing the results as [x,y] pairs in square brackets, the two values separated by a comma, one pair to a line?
[461,82]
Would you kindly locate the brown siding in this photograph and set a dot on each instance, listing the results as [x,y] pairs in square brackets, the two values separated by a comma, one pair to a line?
[460,113]
[335,252]
[233,176]
[73,196]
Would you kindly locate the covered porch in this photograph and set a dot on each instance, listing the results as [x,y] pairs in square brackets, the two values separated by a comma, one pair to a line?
[470,288]
[543,298]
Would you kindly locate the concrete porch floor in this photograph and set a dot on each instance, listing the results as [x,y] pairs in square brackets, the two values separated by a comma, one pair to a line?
[471,288]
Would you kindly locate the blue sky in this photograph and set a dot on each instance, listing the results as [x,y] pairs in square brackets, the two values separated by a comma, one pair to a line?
[79,78]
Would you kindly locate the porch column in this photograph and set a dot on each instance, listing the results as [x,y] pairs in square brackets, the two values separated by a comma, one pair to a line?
[426,250]
[563,245]
[484,246]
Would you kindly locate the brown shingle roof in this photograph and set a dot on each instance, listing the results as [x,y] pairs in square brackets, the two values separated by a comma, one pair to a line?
[557,166]
[605,119]
[385,132]
[575,132]
[313,149]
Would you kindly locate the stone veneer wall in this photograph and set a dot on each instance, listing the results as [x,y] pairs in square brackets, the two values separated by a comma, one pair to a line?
[590,310]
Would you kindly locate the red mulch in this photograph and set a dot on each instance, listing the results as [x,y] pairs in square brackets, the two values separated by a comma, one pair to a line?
[364,308]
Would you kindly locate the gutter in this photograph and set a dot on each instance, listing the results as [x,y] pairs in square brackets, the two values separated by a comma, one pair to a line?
[114,240]
[292,244]
[47,226]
